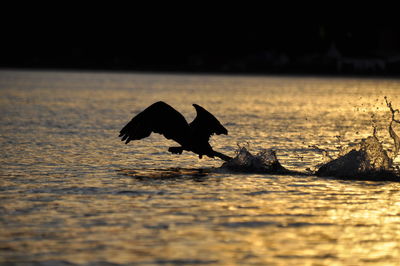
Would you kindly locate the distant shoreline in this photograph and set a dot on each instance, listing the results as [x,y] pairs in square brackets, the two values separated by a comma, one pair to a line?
[213,73]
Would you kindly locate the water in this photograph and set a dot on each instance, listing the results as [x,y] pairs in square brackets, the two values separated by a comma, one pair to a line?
[72,193]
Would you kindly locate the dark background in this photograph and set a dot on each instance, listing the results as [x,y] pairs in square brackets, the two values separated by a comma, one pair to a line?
[261,46]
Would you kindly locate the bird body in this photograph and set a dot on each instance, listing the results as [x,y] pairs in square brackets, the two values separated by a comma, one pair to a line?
[163,119]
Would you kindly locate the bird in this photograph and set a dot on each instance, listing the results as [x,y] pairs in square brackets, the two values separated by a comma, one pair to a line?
[162,118]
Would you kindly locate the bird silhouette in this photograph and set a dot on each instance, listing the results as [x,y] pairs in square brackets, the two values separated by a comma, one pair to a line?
[163,119]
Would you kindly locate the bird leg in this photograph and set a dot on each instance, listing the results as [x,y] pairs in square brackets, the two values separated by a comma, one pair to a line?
[222,156]
[175,150]
[179,150]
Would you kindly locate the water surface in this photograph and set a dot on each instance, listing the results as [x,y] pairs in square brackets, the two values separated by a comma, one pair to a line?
[71,192]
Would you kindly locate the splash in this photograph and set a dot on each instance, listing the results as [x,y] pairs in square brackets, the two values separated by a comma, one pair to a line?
[367,159]
[264,161]
[392,133]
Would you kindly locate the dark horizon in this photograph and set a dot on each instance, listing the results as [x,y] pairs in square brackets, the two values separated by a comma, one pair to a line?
[267,49]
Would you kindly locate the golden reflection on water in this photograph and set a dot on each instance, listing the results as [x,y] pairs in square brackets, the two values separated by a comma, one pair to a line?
[71,192]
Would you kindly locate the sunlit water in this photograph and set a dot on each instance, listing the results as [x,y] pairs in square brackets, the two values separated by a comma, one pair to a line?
[72,192]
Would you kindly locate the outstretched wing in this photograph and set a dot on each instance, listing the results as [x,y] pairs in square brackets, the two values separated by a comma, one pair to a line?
[159,118]
[205,124]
